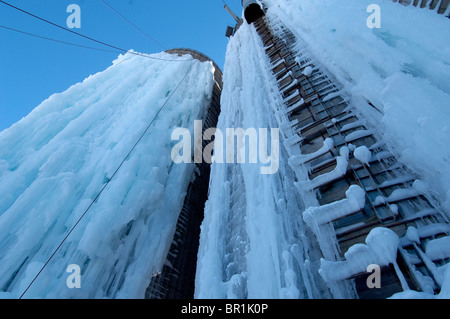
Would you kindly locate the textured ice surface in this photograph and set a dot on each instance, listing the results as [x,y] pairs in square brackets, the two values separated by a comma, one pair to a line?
[57,159]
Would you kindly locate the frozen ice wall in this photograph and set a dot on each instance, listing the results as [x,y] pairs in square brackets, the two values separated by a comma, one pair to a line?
[55,161]
[402,68]
[253,241]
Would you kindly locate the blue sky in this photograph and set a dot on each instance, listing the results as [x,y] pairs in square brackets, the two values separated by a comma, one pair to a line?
[32,69]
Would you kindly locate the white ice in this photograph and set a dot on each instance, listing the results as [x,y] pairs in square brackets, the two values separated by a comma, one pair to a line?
[57,159]
[252,242]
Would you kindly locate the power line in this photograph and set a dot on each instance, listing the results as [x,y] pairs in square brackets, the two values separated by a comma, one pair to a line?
[133,25]
[57,41]
[106,185]
[89,38]
[61,27]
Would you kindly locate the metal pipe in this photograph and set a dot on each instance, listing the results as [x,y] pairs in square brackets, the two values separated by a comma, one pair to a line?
[232,13]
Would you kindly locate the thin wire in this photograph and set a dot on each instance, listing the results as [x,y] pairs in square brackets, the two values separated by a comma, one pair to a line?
[58,41]
[133,25]
[89,38]
[106,185]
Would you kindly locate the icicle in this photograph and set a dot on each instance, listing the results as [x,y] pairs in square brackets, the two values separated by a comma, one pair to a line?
[328,144]
[354,201]
[339,171]
[401,277]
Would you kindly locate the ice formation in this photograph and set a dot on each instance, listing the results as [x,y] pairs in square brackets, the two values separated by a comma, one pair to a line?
[57,159]
[251,243]
[263,236]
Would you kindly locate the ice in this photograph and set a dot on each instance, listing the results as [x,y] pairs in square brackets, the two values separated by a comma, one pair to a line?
[308,71]
[293,94]
[445,291]
[339,171]
[252,243]
[379,200]
[444,294]
[433,230]
[263,235]
[401,194]
[412,234]
[396,181]
[302,159]
[354,202]
[291,85]
[438,248]
[363,154]
[380,249]
[402,68]
[56,160]
[331,96]
[357,135]
[350,126]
